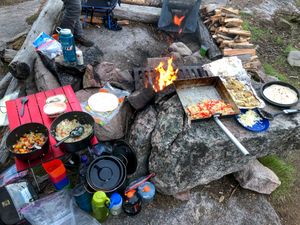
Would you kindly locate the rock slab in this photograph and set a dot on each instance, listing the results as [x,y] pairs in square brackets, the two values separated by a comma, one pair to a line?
[257,177]
[294,58]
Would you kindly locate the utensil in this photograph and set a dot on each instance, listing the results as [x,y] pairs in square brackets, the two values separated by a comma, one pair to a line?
[35,146]
[15,134]
[193,91]
[82,118]
[282,84]
[270,116]
[76,132]
[23,101]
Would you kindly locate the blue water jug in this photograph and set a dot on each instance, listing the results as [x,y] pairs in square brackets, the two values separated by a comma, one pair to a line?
[66,39]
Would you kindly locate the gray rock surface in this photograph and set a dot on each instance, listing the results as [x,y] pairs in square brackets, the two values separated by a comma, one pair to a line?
[203,207]
[199,153]
[13,18]
[140,138]
[257,177]
[181,48]
[294,58]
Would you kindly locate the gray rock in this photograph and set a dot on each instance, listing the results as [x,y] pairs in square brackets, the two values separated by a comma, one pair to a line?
[107,72]
[199,153]
[181,48]
[257,177]
[294,58]
[243,208]
[9,55]
[2,48]
[140,138]
[192,60]
[89,78]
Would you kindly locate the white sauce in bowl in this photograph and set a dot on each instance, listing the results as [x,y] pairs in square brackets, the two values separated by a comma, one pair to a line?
[281,94]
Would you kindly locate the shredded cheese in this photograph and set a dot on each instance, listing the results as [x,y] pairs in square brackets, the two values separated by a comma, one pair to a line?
[249,118]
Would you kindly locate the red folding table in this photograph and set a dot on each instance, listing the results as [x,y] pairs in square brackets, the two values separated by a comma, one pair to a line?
[34,113]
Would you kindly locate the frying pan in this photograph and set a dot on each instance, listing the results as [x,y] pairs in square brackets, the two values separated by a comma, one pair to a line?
[193,91]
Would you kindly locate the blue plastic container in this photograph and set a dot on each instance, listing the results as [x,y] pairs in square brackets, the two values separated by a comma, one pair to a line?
[116,202]
[66,39]
[146,191]
[83,198]
[61,184]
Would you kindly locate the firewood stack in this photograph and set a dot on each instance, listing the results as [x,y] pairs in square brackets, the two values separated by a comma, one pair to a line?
[225,25]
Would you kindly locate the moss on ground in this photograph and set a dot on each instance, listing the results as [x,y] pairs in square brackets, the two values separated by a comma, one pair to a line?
[286,173]
[270,70]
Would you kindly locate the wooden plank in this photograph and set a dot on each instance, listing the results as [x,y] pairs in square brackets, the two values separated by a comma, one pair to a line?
[26,116]
[34,110]
[12,114]
[232,52]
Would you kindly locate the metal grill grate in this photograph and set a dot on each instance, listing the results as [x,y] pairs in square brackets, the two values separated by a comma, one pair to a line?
[145,76]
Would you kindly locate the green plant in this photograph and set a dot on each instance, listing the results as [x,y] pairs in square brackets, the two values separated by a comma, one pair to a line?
[270,70]
[286,173]
[289,48]
[279,41]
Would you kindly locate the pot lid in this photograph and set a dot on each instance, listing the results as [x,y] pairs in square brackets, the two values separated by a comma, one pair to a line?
[105,173]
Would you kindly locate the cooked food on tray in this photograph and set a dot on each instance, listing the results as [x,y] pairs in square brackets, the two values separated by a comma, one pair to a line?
[28,142]
[64,128]
[281,94]
[242,95]
[208,108]
[249,118]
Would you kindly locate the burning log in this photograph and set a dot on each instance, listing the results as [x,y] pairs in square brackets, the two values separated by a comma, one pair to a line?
[22,65]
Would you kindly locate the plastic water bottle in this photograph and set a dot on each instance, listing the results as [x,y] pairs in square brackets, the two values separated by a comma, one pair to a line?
[83,166]
[132,204]
[66,39]
[99,206]
[115,206]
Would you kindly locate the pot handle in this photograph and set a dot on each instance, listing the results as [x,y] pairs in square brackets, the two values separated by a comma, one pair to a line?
[231,136]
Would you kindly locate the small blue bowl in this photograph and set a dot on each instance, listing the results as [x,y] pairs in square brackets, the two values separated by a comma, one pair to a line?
[61,184]
[259,126]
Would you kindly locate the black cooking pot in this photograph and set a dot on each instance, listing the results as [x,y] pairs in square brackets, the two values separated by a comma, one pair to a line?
[14,136]
[82,118]
[106,173]
[125,152]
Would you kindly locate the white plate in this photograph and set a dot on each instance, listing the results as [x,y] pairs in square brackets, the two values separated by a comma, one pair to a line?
[103,102]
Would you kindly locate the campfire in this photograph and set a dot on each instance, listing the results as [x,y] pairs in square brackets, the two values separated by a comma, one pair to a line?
[164,77]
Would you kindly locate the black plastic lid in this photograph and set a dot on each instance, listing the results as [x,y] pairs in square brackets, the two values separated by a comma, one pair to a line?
[126,154]
[105,173]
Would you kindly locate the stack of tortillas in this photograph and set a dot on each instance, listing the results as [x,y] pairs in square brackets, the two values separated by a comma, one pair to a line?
[103,102]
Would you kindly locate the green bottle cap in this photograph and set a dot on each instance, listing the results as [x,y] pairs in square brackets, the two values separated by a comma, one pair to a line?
[100,198]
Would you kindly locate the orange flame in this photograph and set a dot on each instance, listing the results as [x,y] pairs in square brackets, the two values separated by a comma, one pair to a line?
[178,20]
[165,77]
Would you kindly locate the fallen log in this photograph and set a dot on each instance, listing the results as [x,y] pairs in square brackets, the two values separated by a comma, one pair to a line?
[9,55]
[4,84]
[206,39]
[22,65]
[156,3]
[235,52]
[145,14]
[235,31]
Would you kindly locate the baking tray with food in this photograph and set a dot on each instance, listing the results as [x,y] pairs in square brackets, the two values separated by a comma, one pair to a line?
[205,98]
[242,93]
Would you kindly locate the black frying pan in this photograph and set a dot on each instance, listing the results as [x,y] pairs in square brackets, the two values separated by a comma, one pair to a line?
[82,118]
[15,134]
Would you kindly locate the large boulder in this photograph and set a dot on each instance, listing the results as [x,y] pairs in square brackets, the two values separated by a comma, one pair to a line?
[184,156]
[204,207]
[181,48]
[140,138]
[256,177]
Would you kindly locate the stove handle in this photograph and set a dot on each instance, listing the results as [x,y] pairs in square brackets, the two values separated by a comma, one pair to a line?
[231,136]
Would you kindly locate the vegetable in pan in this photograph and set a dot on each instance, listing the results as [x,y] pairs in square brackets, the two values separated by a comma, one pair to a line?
[208,108]
[27,142]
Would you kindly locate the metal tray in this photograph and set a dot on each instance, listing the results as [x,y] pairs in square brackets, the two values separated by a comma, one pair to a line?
[193,91]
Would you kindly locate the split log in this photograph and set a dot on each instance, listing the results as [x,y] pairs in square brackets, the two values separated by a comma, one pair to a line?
[230,10]
[9,55]
[144,14]
[232,44]
[156,3]
[235,31]
[233,52]
[206,39]
[4,84]
[22,65]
